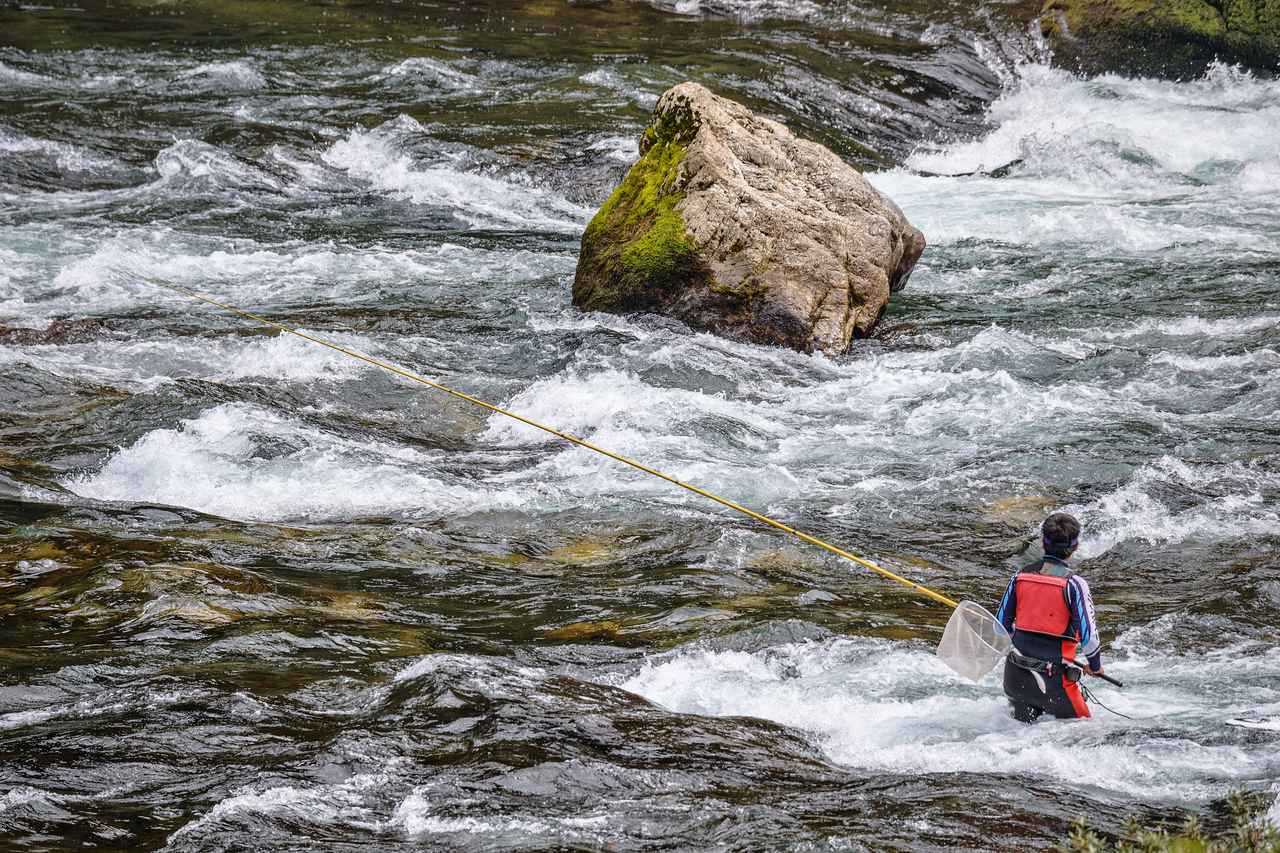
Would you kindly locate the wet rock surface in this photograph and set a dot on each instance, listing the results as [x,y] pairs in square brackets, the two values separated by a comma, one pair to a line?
[731,223]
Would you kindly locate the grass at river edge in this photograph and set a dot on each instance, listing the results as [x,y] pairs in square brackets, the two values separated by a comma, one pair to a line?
[1250,832]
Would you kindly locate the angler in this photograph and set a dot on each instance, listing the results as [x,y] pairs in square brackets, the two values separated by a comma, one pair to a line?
[1049,611]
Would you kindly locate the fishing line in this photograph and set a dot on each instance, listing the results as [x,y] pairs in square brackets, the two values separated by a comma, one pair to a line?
[461,395]
[1090,696]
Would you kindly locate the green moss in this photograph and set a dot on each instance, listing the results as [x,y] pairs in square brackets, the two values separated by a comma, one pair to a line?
[1236,20]
[637,240]
[638,195]
[659,255]
[1195,17]
[1253,19]
[1167,37]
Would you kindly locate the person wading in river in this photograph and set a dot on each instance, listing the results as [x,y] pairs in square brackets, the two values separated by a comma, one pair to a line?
[1049,611]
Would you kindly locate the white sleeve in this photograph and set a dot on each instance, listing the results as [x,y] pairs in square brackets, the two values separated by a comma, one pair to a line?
[1090,640]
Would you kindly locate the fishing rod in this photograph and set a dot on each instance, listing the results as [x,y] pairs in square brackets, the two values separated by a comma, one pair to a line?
[1085,666]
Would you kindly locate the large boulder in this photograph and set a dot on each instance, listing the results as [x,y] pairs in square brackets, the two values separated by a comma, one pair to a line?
[730,223]
[1171,38]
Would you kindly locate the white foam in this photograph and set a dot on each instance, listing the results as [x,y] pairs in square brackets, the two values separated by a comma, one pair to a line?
[24,795]
[1229,503]
[343,804]
[70,158]
[143,365]
[1264,359]
[621,149]
[94,705]
[434,72]
[1227,115]
[1192,326]
[1261,177]
[240,461]
[376,158]
[236,75]
[888,706]
[744,10]
[414,816]
[1107,165]
[193,160]
[16,78]
[112,272]
[612,79]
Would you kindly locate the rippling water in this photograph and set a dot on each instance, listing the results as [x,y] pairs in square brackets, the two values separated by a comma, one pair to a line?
[256,594]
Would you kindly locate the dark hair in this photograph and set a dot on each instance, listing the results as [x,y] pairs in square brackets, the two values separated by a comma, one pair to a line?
[1061,533]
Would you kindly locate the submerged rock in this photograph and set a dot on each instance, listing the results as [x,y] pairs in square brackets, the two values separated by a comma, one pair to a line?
[1174,38]
[57,332]
[730,223]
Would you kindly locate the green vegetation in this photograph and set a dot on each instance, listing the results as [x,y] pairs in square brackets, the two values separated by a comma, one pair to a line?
[1178,36]
[1195,16]
[1249,833]
[659,255]
[637,240]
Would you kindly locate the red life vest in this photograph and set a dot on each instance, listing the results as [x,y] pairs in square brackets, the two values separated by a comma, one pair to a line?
[1042,608]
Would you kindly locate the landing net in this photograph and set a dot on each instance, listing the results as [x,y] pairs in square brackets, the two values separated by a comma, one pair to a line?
[973,642]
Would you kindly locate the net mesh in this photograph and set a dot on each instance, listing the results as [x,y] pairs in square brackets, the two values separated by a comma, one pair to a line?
[973,642]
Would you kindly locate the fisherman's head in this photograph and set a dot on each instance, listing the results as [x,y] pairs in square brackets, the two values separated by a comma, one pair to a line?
[1061,535]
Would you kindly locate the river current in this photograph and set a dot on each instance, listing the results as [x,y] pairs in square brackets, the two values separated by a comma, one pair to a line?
[257,595]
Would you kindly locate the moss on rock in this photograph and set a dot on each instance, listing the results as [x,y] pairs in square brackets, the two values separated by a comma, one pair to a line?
[1177,38]
[637,242]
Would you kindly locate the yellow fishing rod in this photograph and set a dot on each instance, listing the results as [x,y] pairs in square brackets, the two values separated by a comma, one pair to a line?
[414,377]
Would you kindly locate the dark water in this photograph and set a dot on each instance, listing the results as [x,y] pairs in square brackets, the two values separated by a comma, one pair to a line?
[258,596]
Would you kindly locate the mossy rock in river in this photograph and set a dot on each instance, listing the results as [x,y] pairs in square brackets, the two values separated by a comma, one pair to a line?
[730,223]
[1169,38]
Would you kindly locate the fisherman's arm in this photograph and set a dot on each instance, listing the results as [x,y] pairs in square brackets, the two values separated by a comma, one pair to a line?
[1008,605]
[1081,601]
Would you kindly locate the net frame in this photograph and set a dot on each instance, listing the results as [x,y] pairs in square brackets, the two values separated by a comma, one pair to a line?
[974,641]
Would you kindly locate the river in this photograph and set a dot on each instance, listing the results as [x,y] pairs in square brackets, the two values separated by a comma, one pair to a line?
[257,595]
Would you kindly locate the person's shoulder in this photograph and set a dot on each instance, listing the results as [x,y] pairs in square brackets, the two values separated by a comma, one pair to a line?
[1029,566]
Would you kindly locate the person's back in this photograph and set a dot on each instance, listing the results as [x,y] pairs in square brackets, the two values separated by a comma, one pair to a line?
[1048,610]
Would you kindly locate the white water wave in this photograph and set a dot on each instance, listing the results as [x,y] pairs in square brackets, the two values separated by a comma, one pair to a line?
[22,796]
[1228,115]
[1107,165]
[145,365]
[16,78]
[1264,359]
[69,158]
[235,75]
[642,93]
[118,272]
[888,706]
[417,816]
[434,72]
[1191,326]
[193,160]
[244,462]
[1217,502]
[620,149]
[378,158]
[339,804]
[105,703]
